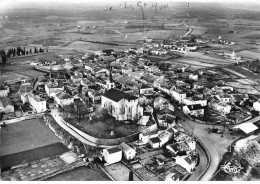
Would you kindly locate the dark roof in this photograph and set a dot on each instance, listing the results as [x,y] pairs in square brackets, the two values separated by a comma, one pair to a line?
[144,86]
[113,150]
[116,95]
[155,140]
[188,160]
[195,107]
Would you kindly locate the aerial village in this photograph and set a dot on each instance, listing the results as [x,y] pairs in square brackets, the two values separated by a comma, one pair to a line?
[131,109]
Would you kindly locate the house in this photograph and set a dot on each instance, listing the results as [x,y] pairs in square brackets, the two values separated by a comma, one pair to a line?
[152,68]
[53,88]
[186,162]
[194,101]
[161,103]
[128,152]
[121,105]
[193,110]
[165,120]
[221,107]
[6,105]
[38,103]
[112,155]
[63,98]
[144,119]
[95,96]
[155,142]
[165,136]
[4,91]
[224,98]
[173,148]
[256,106]
[193,77]
[146,136]
[178,95]
[146,90]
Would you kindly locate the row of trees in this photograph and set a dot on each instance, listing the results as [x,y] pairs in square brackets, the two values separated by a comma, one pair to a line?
[12,52]
[20,52]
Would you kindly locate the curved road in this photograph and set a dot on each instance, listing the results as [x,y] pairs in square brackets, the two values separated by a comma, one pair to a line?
[190,126]
[58,119]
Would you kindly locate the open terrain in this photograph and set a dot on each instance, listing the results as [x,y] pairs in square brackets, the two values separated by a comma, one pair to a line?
[81,174]
[25,135]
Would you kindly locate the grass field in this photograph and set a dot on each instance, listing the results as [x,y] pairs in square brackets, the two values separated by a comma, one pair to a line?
[32,155]
[81,174]
[25,135]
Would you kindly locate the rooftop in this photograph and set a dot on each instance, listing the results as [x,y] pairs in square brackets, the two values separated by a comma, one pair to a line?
[155,140]
[117,95]
[113,150]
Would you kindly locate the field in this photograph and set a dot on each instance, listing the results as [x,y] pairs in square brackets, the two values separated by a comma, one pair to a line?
[25,135]
[243,72]
[81,174]
[32,155]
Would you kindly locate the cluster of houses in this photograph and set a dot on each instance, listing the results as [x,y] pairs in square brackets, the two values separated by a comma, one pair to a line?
[180,146]
[133,88]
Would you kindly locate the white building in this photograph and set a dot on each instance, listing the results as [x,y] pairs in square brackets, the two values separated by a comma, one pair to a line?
[193,110]
[128,152]
[37,103]
[155,142]
[194,101]
[221,107]
[178,95]
[63,98]
[256,106]
[193,77]
[146,90]
[224,98]
[121,105]
[165,136]
[145,137]
[186,162]
[52,89]
[112,155]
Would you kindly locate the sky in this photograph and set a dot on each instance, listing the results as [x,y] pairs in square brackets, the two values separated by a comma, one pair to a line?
[10,4]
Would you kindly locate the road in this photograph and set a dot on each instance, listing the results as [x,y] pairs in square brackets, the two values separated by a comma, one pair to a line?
[58,119]
[189,31]
[202,164]
[198,130]
[202,136]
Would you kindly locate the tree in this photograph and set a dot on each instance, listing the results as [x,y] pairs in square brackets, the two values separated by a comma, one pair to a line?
[78,109]
[131,176]
[3,56]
